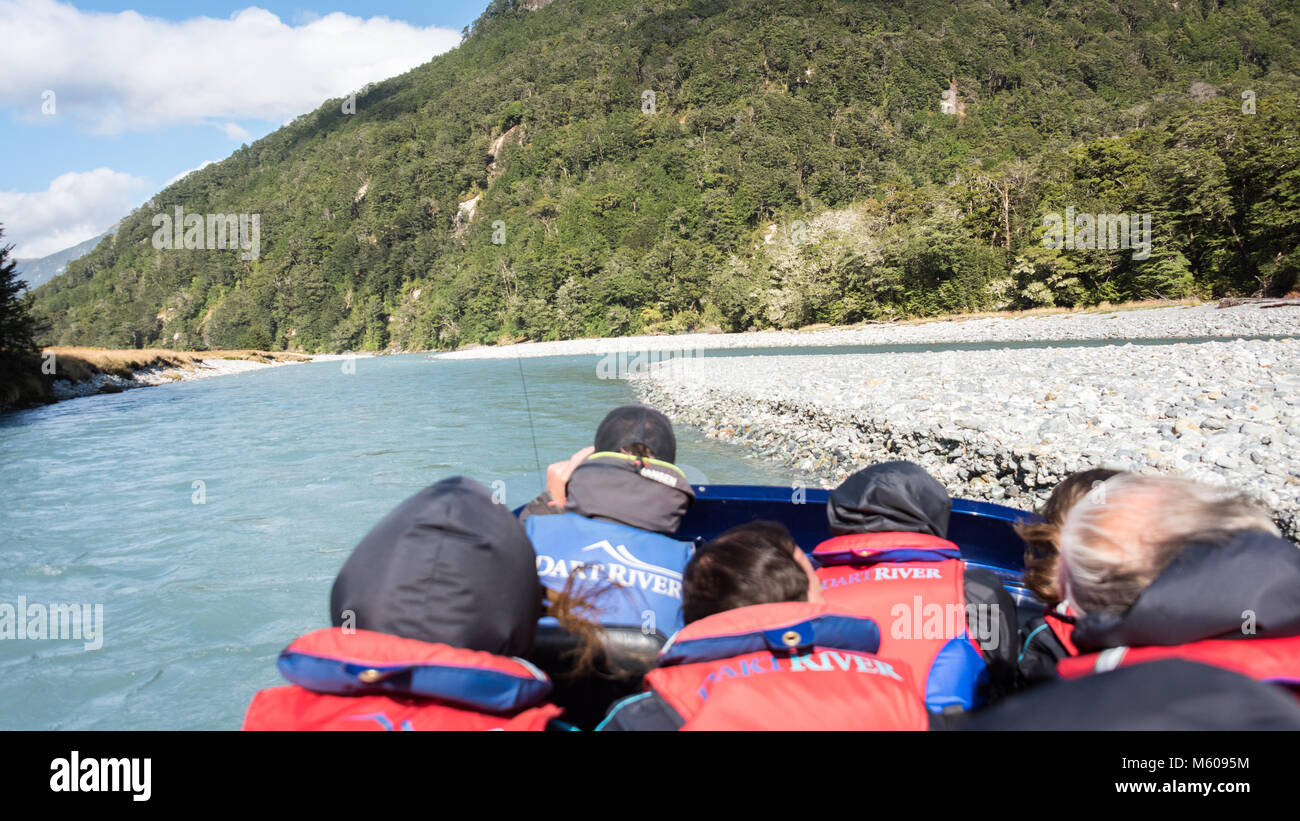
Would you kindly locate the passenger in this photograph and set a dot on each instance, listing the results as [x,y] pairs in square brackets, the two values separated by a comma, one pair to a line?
[761,652]
[431,613]
[607,544]
[889,560]
[1169,694]
[1162,567]
[1047,637]
[613,509]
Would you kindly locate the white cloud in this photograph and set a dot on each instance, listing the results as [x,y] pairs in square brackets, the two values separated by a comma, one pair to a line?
[187,172]
[235,132]
[77,206]
[123,71]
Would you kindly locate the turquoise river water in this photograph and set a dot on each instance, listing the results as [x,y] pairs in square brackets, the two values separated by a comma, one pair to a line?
[201,585]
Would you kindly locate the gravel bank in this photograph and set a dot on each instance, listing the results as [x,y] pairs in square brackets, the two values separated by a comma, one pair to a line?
[1006,425]
[1149,323]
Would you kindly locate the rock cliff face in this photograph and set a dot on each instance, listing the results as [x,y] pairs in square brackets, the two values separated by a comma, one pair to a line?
[950,103]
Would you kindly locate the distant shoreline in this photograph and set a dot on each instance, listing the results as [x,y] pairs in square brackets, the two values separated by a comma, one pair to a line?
[72,373]
[1135,321]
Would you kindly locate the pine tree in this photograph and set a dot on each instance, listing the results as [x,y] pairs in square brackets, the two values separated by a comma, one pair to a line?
[17,328]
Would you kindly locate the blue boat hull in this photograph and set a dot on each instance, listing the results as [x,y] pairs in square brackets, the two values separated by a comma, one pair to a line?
[985,531]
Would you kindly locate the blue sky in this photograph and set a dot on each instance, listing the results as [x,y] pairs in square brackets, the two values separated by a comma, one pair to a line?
[145,91]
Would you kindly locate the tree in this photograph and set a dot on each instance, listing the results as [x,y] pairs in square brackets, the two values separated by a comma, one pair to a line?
[17,328]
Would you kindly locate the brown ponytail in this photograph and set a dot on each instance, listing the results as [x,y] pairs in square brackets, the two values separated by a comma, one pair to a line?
[574,608]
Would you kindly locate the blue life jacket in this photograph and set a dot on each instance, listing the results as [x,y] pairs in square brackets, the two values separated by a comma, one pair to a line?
[647,567]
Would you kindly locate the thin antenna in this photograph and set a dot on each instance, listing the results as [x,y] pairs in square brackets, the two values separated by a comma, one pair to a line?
[533,431]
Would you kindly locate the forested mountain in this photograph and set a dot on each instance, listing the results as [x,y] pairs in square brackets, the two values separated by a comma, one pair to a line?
[799,161]
[38,271]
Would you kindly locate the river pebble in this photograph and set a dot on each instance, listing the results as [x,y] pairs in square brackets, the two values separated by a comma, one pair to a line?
[1006,425]
[1186,322]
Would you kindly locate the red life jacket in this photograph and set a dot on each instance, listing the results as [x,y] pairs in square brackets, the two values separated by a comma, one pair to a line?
[785,666]
[1274,660]
[1062,629]
[915,584]
[362,680]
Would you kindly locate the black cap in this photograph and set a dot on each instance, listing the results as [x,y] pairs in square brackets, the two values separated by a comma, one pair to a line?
[448,566]
[890,497]
[637,424]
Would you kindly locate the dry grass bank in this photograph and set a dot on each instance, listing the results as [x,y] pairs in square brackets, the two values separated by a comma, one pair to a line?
[26,381]
[82,363]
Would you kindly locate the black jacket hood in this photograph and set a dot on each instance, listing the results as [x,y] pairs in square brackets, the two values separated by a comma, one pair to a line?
[1205,593]
[890,497]
[644,493]
[448,565]
[1169,694]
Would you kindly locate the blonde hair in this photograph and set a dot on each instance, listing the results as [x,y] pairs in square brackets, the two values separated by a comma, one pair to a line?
[1125,531]
[1041,552]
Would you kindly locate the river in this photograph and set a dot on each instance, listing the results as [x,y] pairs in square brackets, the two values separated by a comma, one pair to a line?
[210,517]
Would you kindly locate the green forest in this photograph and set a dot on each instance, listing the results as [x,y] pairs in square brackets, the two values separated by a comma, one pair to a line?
[613,167]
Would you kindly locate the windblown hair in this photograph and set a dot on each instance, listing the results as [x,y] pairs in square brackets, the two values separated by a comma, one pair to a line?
[1042,538]
[1126,531]
[576,611]
[749,564]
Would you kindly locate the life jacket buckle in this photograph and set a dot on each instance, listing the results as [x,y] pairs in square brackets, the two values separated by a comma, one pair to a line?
[373,676]
[793,638]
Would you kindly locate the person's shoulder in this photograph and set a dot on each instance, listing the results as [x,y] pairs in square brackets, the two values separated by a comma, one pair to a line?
[540,506]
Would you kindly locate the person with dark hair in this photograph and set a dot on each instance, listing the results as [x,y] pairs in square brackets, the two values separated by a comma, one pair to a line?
[611,520]
[602,533]
[889,559]
[631,430]
[749,564]
[432,613]
[1047,637]
[760,651]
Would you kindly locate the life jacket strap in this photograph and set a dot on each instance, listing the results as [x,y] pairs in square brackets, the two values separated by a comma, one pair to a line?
[1109,659]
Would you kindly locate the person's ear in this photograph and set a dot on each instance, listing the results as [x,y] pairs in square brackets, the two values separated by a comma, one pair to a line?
[814,583]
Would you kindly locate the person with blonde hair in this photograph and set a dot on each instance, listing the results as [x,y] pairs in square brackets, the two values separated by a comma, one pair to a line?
[1158,567]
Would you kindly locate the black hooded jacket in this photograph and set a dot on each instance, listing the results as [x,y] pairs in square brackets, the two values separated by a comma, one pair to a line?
[901,497]
[614,487]
[449,566]
[1207,592]
[891,497]
[1170,694]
